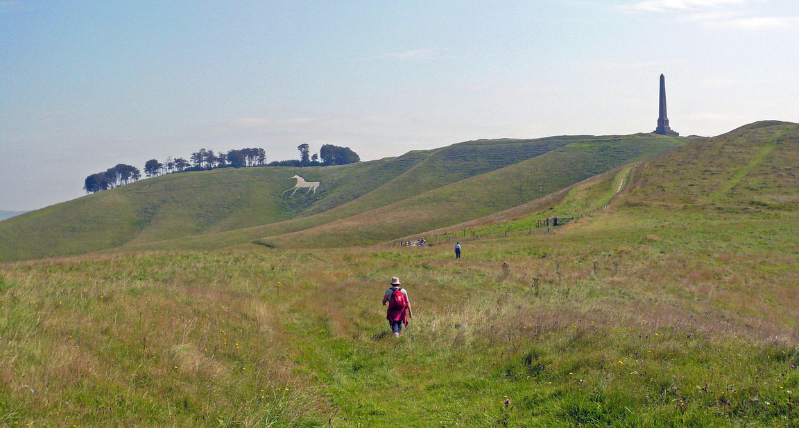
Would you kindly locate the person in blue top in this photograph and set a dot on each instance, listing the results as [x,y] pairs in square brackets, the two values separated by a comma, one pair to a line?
[457,250]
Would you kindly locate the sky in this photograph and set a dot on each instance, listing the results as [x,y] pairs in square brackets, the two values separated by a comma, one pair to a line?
[85,85]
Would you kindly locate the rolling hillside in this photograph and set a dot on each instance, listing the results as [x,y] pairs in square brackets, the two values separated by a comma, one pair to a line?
[674,305]
[749,170]
[481,195]
[227,207]
[752,167]
[584,198]
[383,214]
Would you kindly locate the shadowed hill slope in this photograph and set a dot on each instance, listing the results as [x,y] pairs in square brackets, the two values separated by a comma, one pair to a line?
[432,169]
[378,216]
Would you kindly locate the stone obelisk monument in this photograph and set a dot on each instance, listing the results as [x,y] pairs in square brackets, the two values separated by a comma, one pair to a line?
[663,119]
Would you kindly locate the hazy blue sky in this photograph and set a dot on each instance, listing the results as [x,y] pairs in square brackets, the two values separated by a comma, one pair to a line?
[85,85]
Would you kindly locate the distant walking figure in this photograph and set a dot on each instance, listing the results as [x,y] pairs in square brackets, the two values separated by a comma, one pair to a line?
[312,185]
[399,307]
[457,250]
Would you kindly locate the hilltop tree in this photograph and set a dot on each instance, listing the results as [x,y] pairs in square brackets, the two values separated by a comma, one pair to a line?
[198,158]
[253,156]
[122,174]
[236,158]
[152,168]
[210,159]
[305,156]
[95,183]
[125,173]
[110,178]
[335,155]
[181,164]
[249,156]
[221,160]
[135,173]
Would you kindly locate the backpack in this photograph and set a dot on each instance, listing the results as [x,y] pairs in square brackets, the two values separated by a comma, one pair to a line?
[398,300]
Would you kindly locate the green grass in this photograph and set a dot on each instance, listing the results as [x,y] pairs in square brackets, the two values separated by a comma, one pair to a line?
[574,202]
[194,337]
[665,309]
[753,165]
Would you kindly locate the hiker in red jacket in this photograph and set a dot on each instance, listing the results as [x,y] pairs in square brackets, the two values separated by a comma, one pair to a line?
[399,307]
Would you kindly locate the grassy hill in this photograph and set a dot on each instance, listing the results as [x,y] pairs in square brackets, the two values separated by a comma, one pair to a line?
[176,205]
[227,207]
[750,169]
[672,306]
[575,201]
[481,195]
[366,219]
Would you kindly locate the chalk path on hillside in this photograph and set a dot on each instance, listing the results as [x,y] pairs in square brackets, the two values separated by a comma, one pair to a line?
[621,185]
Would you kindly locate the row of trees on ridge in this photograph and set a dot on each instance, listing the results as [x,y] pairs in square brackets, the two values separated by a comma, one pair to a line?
[203,160]
[110,178]
[328,155]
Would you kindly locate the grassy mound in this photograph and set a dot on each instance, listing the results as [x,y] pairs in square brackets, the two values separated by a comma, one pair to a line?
[751,167]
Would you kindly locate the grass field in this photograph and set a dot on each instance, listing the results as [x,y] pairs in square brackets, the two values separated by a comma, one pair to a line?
[609,321]
[675,305]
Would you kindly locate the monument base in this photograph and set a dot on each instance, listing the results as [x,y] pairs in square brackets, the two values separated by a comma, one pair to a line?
[666,131]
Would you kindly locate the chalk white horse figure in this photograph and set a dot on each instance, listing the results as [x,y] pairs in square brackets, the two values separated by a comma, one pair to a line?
[312,185]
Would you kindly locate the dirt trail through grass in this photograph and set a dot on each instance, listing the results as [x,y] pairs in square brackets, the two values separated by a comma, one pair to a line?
[623,180]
